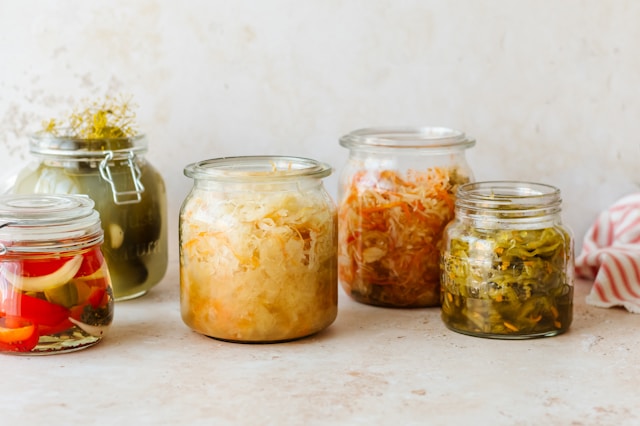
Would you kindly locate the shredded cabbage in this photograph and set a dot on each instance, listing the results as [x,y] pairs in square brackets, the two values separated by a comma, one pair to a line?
[258,266]
[390,232]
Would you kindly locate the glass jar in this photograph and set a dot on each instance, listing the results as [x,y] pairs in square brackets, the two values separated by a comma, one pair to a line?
[258,242]
[128,193]
[55,290]
[507,263]
[396,196]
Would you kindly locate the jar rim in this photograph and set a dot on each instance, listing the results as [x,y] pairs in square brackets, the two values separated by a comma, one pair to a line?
[62,145]
[257,167]
[508,196]
[432,139]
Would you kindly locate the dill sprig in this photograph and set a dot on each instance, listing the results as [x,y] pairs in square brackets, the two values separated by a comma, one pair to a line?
[110,118]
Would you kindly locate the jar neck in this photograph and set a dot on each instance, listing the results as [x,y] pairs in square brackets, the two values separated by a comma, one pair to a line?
[46,145]
[74,160]
[258,173]
[435,140]
[509,203]
[256,186]
[29,244]
[394,159]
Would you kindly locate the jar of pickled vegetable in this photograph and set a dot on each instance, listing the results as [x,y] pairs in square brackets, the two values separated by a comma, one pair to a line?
[507,263]
[258,242]
[396,196]
[128,193]
[55,290]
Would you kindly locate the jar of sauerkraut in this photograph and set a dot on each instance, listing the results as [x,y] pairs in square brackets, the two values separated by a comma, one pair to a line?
[55,290]
[507,263]
[397,194]
[258,249]
[128,193]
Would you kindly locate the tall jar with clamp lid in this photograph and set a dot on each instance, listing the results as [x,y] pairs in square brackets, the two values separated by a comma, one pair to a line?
[55,290]
[127,190]
[396,196]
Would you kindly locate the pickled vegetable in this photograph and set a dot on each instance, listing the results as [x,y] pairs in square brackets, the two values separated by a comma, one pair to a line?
[97,151]
[390,235]
[258,267]
[135,240]
[507,283]
[46,302]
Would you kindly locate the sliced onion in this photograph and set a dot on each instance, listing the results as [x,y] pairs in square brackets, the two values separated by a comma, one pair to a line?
[94,330]
[45,282]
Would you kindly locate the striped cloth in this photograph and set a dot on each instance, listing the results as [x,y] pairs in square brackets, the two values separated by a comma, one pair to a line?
[611,256]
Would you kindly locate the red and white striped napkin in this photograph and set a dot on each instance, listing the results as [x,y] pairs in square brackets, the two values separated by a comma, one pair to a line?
[611,256]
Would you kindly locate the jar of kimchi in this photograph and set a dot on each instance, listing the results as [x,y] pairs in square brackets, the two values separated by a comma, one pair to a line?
[507,262]
[258,242]
[396,195]
[55,289]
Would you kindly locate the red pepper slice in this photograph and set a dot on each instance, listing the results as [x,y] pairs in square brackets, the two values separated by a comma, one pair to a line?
[17,335]
[91,262]
[98,297]
[32,309]
[36,267]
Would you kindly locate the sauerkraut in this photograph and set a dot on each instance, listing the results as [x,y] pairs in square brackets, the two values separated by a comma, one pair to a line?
[390,232]
[258,266]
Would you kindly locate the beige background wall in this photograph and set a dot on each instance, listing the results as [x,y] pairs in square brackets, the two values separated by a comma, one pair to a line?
[549,89]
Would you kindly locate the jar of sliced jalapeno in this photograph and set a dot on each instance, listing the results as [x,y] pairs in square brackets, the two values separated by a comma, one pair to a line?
[55,289]
[507,262]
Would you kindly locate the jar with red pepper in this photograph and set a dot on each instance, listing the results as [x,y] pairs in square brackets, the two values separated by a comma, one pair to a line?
[55,288]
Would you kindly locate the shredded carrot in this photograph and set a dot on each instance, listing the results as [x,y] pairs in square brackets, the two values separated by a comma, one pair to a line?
[536,319]
[403,217]
[510,326]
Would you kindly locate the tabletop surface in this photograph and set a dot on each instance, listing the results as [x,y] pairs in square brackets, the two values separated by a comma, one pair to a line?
[371,366]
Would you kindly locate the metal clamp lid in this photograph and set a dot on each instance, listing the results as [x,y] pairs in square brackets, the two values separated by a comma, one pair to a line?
[124,196]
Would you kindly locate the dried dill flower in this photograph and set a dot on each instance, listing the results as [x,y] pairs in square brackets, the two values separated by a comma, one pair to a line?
[110,118]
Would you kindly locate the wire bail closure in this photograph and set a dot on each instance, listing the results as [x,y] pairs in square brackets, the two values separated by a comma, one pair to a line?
[123,197]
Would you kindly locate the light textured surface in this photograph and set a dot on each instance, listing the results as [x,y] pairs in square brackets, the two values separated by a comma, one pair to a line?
[372,366]
[549,89]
